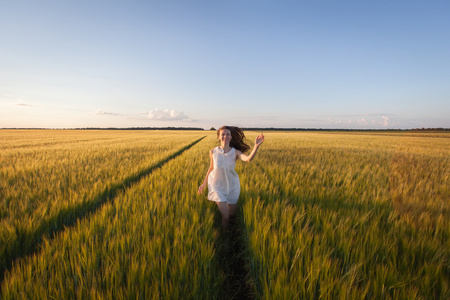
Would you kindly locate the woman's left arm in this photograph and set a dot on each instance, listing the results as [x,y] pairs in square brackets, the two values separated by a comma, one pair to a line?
[248,158]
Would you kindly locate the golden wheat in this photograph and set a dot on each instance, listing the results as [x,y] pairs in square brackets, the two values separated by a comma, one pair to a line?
[323,215]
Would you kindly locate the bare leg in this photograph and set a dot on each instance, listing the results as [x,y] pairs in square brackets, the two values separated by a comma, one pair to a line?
[232,209]
[223,207]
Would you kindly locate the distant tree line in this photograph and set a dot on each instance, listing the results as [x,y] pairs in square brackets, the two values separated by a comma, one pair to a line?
[431,129]
[114,128]
[243,128]
[328,129]
[145,128]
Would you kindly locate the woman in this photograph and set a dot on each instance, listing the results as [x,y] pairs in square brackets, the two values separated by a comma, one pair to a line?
[222,179]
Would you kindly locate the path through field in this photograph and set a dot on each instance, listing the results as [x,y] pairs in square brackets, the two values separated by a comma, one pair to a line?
[235,282]
[68,217]
[232,250]
[321,215]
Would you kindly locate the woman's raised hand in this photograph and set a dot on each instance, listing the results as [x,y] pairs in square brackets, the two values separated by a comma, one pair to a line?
[259,140]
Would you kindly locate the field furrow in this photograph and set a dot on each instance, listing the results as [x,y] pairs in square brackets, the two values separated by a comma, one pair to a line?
[321,215]
[45,210]
[154,240]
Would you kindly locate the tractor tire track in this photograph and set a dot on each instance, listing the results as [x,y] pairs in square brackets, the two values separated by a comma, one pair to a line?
[28,242]
[234,259]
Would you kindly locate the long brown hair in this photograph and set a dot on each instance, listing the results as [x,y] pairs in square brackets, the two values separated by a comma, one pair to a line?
[237,138]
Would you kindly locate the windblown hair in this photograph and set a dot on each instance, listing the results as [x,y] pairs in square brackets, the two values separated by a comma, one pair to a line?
[237,138]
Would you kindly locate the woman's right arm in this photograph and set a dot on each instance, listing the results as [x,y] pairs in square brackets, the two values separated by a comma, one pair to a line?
[211,168]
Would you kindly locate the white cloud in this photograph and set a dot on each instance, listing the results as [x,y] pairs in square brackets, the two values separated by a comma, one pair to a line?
[24,104]
[385,121]
[105,113]
[167,115]
[362,122]
[378,120]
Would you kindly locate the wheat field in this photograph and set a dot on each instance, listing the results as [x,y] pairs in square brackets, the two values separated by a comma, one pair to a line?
[322,215]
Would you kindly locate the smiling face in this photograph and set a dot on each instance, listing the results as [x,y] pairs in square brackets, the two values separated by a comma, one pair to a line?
[224,136]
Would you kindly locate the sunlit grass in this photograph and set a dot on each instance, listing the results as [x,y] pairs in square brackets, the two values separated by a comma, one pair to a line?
[50,178]
[324,219]
[155,240]
[360,215]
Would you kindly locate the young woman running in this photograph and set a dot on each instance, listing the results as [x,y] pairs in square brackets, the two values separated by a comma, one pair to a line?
[221,178]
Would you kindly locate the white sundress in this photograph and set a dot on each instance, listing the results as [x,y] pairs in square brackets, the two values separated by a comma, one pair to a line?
[223,181]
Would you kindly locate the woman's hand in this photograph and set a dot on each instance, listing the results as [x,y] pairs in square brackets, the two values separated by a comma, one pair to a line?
[259,140]
[201,188]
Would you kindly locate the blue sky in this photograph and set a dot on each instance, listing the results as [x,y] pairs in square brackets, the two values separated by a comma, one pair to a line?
[309,64]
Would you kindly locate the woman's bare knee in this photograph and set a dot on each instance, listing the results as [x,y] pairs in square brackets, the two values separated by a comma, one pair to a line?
[224,211]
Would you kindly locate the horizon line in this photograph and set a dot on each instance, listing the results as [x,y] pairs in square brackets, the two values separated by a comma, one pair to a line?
[212,128]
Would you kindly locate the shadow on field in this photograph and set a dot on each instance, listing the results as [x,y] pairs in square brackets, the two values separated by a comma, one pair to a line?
[28,242]
[232,255]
